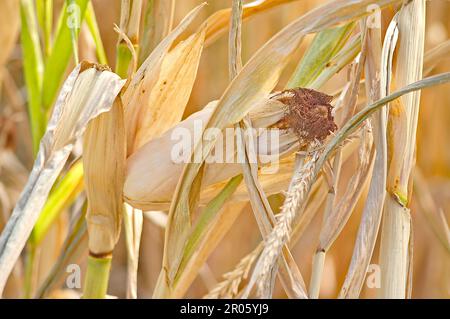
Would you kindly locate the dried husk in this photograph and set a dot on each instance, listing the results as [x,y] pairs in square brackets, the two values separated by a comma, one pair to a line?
[88,91]
[169,96]
[136,97]
[104,167]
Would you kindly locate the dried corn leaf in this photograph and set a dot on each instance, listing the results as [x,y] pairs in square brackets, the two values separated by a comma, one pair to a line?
[137,95]
[169,96]
[88,91]
[379,61]
[339,214]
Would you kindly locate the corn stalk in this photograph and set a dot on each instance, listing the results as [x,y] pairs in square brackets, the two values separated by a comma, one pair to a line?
[395,258]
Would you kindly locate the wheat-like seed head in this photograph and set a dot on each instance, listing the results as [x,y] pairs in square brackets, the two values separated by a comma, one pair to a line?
[229,287]
[295,198]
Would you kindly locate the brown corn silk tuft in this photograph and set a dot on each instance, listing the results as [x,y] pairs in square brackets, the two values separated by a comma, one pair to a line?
[308,114]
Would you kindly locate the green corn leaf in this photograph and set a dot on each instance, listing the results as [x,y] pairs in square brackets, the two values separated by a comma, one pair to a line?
[33,68]
[71,18]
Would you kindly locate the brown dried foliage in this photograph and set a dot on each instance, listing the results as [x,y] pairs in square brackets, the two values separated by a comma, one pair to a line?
[308,114]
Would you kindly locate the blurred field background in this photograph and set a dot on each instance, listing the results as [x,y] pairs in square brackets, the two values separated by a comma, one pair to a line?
[431,257]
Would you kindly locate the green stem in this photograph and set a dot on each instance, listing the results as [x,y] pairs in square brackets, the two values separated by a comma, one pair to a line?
[29,271]
[33,70]
[56,64]
[45,19]
[62,196]
[48,24]
[74,29]
[97,277]
[91,21]
[124,57]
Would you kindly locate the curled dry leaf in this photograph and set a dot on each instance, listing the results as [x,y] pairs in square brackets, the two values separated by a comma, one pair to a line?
[88,91]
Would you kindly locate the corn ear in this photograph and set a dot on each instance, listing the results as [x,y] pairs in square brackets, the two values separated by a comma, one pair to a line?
[145,190]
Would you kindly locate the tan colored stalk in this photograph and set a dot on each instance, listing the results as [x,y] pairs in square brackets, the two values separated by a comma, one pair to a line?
[133,222]
[126,65]
[377,60]
[335,217]
[395,256]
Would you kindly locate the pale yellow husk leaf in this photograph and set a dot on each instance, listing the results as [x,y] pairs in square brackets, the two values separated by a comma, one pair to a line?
[169,96]
[136,97]
[104,167]
[88,92]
